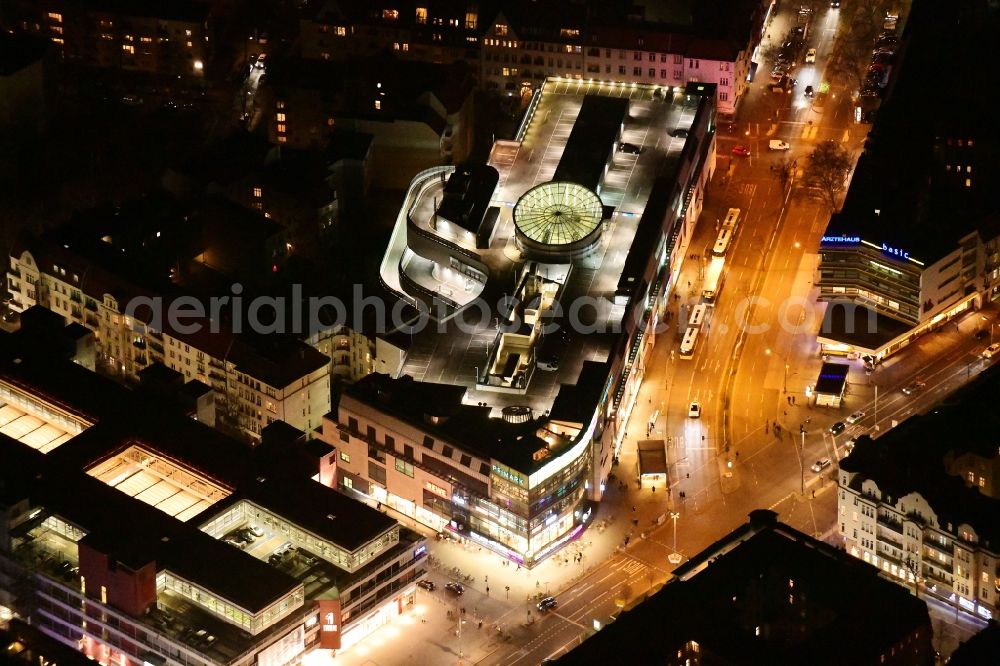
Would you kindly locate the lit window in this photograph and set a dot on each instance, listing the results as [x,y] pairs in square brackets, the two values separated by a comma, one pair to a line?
[968,182]
[390,14]
[55,17]
[282,139]
[57,29]
[281,128]
[406,47]
[280,104]
[189,44]
[187,33]
[128,48]
[129,38]
[395,46]
[471,20]
[145,40]
[378,104]
[421,15]
[257,192]
[345,457]
[340,31]
[198,65]
[501,30]
[58,40]
[281,117]
[329,122]
[569,32]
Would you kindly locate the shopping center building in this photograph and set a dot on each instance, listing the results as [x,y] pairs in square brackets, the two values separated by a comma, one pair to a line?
[140,536]
[917,242]
[543,277]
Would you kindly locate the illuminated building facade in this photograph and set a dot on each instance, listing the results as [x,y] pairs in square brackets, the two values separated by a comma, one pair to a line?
[917,241]
[169,39]
[512,444]
[137,535]
[921,503]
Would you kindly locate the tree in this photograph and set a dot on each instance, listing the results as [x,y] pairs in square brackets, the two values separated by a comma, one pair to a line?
[860,25]
[826,171]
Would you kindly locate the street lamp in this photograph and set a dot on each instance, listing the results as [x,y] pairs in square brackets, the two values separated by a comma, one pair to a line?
[784,382]
[674,557]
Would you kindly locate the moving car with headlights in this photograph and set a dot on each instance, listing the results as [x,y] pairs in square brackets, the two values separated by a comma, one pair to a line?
[820,465]
[547,604]
[775,144]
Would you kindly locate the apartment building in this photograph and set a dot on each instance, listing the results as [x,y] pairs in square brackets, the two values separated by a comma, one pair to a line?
[135,535]
[517,44]
[917,241]
[519,51]
[256,379]
[921,504]
[441,31]
[171,39]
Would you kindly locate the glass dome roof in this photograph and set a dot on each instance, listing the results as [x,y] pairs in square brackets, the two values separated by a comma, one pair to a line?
[558,213]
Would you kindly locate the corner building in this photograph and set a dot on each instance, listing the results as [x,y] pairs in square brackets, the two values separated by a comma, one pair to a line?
[512,443]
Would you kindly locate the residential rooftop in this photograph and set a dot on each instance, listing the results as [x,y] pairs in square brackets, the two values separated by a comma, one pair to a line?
[766,593]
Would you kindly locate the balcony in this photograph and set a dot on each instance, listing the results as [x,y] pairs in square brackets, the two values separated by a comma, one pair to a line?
[891,540]
[156,347]
[931,574]
[91,305]
[936,545]
[937,564]
[91,321]
[75,297]
[888,523]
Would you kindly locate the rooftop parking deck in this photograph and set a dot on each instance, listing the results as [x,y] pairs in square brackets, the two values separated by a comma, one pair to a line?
[463,354]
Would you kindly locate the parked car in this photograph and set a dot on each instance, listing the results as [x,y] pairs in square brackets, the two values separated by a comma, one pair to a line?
[455,588]
[774,144]
[629,148]
[244,536]
[256,531]
[990,351]
[855,417]
[233,541]
[741,151]
[426,584]
[811,55]
[913,387]
[547,604]
[679,133]
[837,428]
[694,410]
[820,465]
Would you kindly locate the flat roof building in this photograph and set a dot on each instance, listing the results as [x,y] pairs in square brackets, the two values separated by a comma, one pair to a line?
[767,593]
[194,546]
[917,241]
[501,443]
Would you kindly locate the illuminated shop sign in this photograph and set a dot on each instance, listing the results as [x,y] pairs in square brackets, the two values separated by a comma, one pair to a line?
[895,251]
[509,474]
[841,239]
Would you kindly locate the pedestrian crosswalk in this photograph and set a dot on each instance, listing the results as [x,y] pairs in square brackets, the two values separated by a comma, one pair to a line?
[632,567]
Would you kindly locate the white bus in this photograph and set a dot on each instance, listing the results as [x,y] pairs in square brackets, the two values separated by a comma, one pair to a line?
[732,217]
[697,315]
[688,343]
[722,242]
[713,280]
